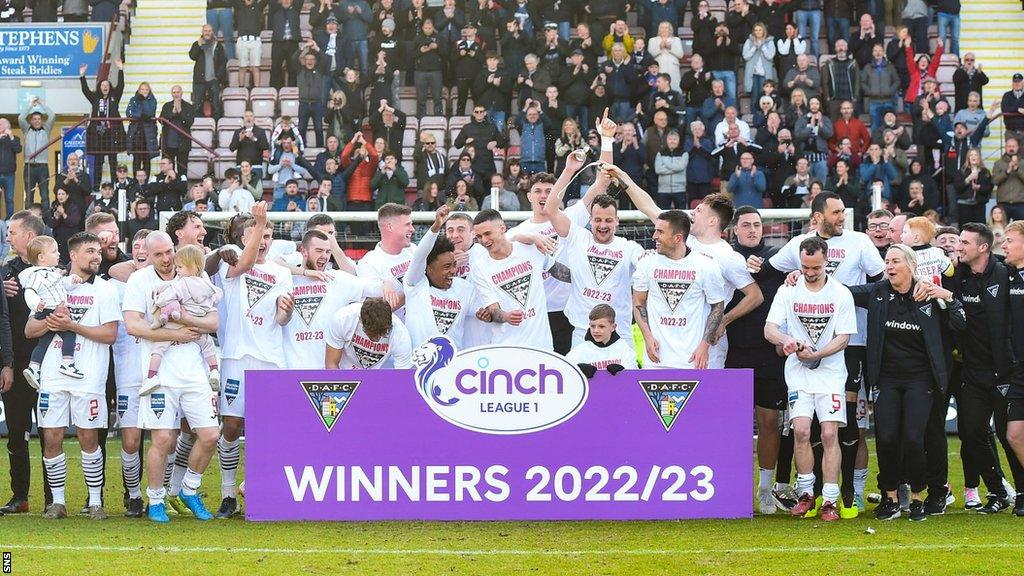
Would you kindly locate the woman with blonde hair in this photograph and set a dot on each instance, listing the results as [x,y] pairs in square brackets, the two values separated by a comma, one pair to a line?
[973,185]
[795,109]
[142,140]
[759,55]
[667,50]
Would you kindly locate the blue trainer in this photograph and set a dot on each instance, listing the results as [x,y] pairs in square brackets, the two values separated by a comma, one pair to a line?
[194,503]
[158,513]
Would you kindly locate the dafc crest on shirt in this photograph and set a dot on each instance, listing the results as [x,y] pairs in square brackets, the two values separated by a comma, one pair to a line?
[516,281]
[814,318]
[78,306]
[674,284]
[603,262]
[445,311]
[307,299]
[257,284]
[370,353]
[835,258]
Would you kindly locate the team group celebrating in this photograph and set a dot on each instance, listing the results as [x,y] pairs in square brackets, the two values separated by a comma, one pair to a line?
[832,323]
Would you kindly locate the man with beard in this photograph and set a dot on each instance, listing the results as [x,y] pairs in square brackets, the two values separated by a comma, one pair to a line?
[93,317]
[852,259]
[878,230]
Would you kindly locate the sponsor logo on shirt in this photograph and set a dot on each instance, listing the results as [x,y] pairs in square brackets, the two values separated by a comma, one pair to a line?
[329,399]
[231,387]
[668,397]
[908,326]
[157,403]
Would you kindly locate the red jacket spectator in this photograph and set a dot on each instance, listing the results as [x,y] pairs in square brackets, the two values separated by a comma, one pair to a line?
[853,129]
[917,76]
[359,189]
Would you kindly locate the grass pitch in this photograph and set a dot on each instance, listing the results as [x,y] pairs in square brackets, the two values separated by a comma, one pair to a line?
[957,543]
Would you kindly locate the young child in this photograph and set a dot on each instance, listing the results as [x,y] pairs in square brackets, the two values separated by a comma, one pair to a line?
[192,292]
[603,348]
[932,262]
[46,288]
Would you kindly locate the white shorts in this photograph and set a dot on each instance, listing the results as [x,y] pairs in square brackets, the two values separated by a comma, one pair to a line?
[828,407]
[248,52]
[165,408]
[862,407]
[79,409]
[128,407]
[232,386]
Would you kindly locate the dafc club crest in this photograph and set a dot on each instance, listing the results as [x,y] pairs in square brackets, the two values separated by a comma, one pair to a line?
[668,397]
[329,399]
[44,403]
[157,403]
[231,388]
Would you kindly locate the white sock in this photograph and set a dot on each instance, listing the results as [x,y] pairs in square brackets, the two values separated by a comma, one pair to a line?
[765,477]
[804,484]
[830,492]
[182,450]
[190,483]
[92,467]
[228,452]
[156,496]
[860,480]
[56,473]
[131,473]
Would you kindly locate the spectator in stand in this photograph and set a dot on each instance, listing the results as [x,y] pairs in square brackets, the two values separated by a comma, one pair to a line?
[462,169]
[331,59]
[812,133]
[493,90]
[356,18]
[696,86]
[460,198]
[722,59]
[104,139]
[142,139]
[729,152]
[844,151]
[515,45]
[175,145]
[759,58]
[949,20]
[36,131]
[516,181]
[448,21]
[210,72]
[968,78]
[774,13]
[787,48]
[916,18]
[333,150]
[767,121]
[532,81]
[798,185]
[973,184]
[124,182]
[389,183]
[364,155]
[389,123]
[468,61]
[340,122]
[795,108]
[864,40]
[248,20]
[667,49]
[915,202]
[430,198]
[337,180]
[922,67]
[507,199]
[310,81]
[481,135]
[233,197]
[880,84]
[704,25]
[165,189]
[621,77]
[740,19]
[284,23]
[285,128]
[780,163]
[846,184]
[846,125]
[64,217]
[290,199]
[105,203]
[670,164]
[730,119]
[569,140]
[585,43]
[840,80]
[75,181]
[972,115]
[488,16]
[1012,106]
[431,164]
[429,63]
[618,33]
[713,110]
[1008,179]
[629,155]
[288,164]
[10,147]
[666,100]
[552,51]
[250,144]
[876,168]
[803,76]
[658,11]
[838,14]
[531,125]
[808,19]
[142,218]
[250,179]
[220,18]
[747,184]
[196,194]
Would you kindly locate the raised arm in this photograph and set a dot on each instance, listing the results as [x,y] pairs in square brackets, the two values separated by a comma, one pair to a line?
[417,268]
[247,259]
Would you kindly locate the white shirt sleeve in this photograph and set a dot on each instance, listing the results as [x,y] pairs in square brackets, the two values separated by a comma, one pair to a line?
[714,286]
[109,311]
[340,330]
[640,276]
[401,345]
[777,313]
[135,298]
[788,258]
[846,314]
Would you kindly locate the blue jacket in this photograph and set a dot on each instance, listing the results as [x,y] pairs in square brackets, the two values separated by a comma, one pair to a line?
[884,171]
[711,115]
[748,189]
[658,13]
[531,147]
[620,80]
[631,161]
[355,25]
[702,166]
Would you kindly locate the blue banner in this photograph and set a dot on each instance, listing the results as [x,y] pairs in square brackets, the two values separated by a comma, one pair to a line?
[73,143]
[51,50]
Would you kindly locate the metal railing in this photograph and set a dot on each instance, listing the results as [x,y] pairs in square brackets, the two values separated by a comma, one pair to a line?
[165,122]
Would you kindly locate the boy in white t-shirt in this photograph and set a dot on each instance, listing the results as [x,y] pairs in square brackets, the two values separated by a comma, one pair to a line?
[602,348]
[819,318]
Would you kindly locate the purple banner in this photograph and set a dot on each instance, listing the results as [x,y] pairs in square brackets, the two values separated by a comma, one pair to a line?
[370,445]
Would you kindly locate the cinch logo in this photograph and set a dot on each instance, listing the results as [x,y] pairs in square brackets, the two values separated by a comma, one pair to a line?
[498,389]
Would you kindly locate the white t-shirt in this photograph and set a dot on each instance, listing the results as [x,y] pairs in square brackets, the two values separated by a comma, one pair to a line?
[932,264]
[90,305]
[182,365]
[129,365]
[557,291]
[601,274]
[251,328]
[315,303]
[851,259]
[815,318]
[237,200]
[680,294]
[476,332]
[431,311]
[736,277]
[620,352]
[380,265]
[345,333]
[516,283]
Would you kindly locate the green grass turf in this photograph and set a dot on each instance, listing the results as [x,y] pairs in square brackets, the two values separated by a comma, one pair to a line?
[957,543]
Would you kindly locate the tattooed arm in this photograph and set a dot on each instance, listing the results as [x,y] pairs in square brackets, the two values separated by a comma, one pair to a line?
[495,314]
[699,358]
[640,315]
[561,273]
